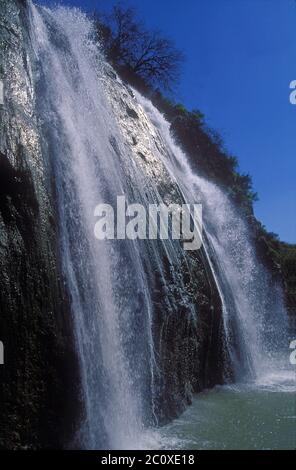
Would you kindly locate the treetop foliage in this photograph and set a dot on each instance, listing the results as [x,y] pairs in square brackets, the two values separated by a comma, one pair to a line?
[148,54]
[150,62]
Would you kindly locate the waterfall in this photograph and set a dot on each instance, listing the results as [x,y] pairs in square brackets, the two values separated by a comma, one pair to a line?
[87,139]
[255,319]
[106,283]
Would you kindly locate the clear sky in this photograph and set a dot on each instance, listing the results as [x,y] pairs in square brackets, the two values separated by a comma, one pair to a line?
[240,60]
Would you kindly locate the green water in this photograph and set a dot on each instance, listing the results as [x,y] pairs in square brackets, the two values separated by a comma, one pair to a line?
[240,417]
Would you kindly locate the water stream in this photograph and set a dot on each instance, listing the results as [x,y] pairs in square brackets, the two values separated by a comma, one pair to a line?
[85,140]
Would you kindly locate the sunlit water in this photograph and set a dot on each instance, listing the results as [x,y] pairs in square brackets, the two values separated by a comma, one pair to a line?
[254,416]
[108,285]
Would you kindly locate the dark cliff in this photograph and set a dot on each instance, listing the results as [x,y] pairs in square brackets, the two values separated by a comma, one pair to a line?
[39,382]
[39,378]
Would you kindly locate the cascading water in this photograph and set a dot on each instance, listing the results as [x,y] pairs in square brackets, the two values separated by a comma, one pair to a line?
[106,283]
[250,298]
[89,148]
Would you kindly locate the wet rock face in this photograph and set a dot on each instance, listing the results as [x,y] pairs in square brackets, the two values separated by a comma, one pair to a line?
[188,330]
[39,383]
[188,335]
[37,396]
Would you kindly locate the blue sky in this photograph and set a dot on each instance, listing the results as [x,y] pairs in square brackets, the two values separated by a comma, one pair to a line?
[240,59]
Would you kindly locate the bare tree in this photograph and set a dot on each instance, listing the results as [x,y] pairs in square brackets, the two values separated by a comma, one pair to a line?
[148,54]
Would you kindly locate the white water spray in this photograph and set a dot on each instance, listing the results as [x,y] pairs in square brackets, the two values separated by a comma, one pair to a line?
[108,284]
[254,315]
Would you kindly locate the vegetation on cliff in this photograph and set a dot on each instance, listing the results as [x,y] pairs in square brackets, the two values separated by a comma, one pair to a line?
[151,63]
